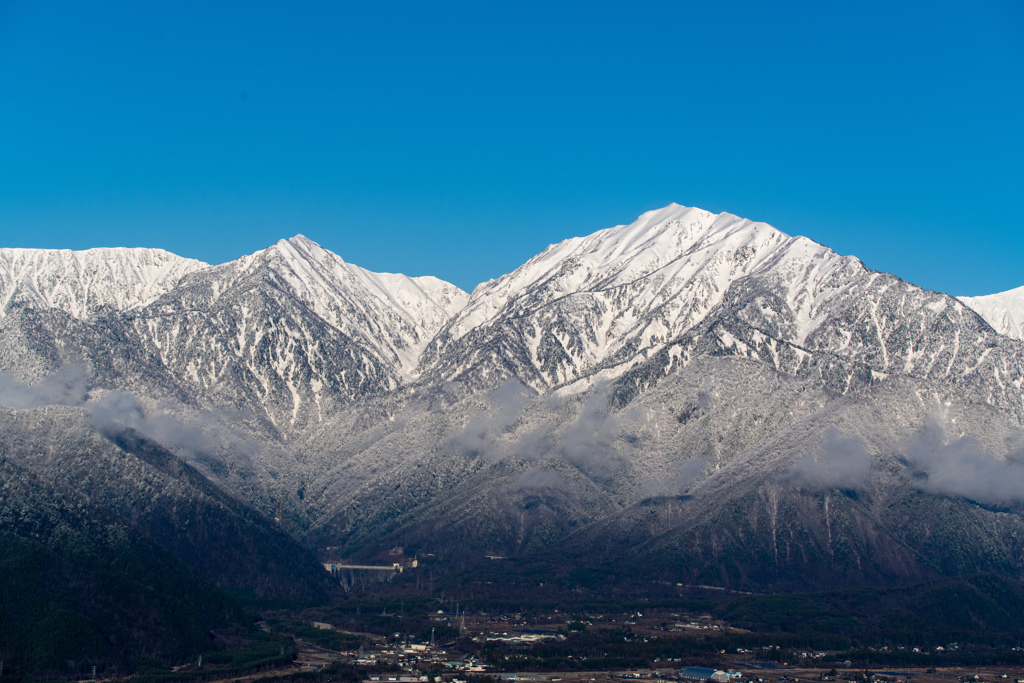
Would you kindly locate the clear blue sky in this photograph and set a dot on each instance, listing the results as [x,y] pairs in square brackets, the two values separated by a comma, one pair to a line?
[459,139]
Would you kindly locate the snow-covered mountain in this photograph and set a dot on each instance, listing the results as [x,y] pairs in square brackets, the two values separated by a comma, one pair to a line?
[606,301]
[79,282]
[393,314]
[680,283]
[747,379]
[691,367]
[1003,311]
[287,332]
[294,329]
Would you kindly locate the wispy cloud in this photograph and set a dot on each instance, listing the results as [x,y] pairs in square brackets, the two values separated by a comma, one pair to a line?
[540,478]
[962,466]
[588,444]
[533,446]
[480,436]
[200,438]
[680,477]
[69,386]
[842,462]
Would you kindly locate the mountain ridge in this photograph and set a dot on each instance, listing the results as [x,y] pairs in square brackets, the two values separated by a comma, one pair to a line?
[293,327]
[78,282]
[710,362]
[435,303]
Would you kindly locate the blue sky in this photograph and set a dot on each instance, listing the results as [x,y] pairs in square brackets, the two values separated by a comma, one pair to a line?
[459,139]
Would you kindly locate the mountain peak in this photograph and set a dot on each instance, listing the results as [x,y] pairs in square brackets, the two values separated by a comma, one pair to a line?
[303,243]
[299,247]
[617,296]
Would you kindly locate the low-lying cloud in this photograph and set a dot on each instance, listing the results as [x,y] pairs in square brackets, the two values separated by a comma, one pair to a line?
[679,479]
[533,446]
[842,463]
[962,467]
[588,444]
[480,437]
[70,387]
[539,478]
[936,463]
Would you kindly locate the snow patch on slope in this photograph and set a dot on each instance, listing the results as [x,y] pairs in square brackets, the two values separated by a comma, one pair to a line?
[1003,311]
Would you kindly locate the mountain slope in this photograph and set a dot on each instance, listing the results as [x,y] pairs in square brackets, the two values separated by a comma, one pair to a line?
[126,479]
[603,300]
[81,588]
[725,472]
[613,316]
